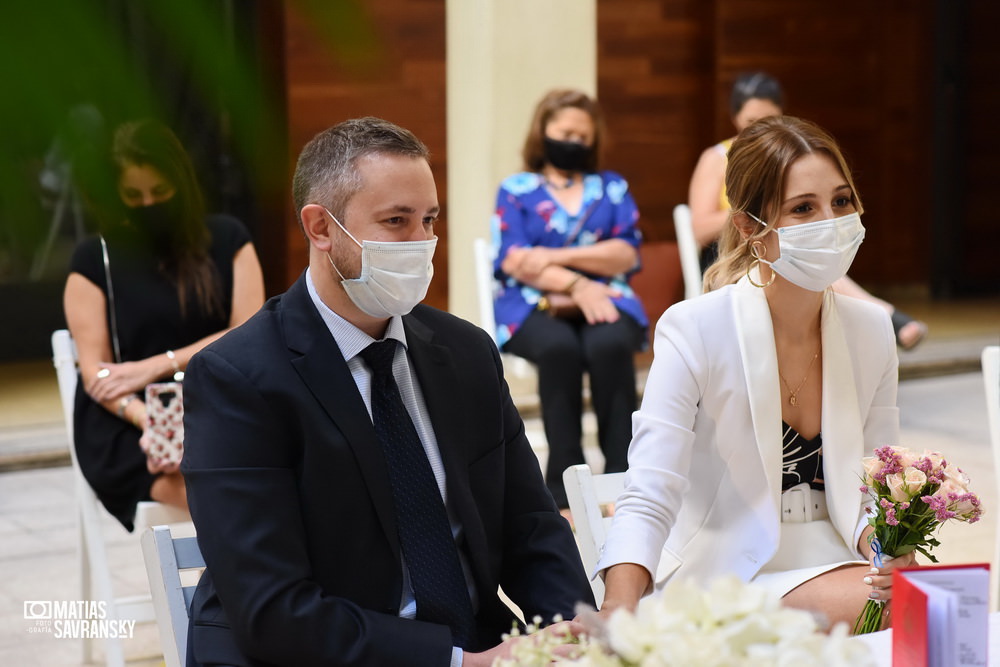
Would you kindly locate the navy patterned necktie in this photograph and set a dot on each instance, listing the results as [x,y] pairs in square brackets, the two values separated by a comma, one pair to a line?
[439,585]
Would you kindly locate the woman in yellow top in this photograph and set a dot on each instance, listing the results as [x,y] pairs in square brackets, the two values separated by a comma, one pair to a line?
[758,95]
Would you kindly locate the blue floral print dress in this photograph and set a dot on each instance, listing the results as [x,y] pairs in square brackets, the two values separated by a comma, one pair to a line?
[527,215]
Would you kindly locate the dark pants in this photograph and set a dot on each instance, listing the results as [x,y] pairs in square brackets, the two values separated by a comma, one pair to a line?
[563,350]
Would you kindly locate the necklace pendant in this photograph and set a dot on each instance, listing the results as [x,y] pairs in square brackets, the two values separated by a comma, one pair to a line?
[793,400]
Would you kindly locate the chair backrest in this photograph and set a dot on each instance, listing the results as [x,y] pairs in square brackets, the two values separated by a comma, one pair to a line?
[64,359]
[166,557]
[688,248]
[483,256]
[588,494]
[991,381]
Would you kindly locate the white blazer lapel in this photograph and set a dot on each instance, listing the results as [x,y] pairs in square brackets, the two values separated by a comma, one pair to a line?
[843,432]
[760,368]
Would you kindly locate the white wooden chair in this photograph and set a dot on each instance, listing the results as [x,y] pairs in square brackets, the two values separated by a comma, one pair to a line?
[95,569]
[166,558]
[588,494]
[688,248]
[483,254]
[991,380]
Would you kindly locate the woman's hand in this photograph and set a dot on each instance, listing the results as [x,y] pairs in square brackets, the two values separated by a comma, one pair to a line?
[113,381]
[527,264]
[880,578]
[595,302]
[156,465]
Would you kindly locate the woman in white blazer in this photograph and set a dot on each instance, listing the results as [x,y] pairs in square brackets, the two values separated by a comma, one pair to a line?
[763,396]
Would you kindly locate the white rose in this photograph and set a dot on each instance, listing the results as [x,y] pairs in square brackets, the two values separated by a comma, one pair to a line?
[897,490]
[872,465]
[913,481]
[934,457]
[906,457]
[957,477]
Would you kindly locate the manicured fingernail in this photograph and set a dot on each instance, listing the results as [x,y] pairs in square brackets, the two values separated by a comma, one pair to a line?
[867,580]
[873,595]
[874,570]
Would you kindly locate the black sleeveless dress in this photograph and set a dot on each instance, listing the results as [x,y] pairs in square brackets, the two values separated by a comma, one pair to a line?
[149,323]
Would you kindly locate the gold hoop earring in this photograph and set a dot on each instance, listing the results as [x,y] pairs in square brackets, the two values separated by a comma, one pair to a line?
[757,256]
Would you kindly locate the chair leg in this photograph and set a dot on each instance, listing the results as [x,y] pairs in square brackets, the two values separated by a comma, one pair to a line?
[86,589]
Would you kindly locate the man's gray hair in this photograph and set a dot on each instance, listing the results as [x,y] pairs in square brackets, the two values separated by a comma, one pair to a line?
[326,172]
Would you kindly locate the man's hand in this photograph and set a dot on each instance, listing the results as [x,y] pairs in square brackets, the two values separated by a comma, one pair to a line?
[564,630]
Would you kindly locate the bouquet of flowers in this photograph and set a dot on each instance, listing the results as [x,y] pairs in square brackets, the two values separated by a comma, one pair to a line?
[914,494]
[730,624]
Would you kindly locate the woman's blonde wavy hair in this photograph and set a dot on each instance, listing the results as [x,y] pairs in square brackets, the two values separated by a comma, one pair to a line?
[757,164]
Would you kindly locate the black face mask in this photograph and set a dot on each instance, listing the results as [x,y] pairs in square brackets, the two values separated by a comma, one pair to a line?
[567,155]
[156,223]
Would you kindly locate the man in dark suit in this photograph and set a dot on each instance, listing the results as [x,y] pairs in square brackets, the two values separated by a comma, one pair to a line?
[322,542]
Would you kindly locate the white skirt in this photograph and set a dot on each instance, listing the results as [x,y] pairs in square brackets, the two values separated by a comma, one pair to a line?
[806,550]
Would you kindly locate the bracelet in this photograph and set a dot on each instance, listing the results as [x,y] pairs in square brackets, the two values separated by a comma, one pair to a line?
[178,373]
[569,287]
[123,405]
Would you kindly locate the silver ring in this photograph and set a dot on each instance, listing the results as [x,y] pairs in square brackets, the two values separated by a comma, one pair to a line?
[103,373]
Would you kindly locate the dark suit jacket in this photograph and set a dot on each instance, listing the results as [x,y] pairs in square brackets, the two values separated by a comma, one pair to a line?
[290,496]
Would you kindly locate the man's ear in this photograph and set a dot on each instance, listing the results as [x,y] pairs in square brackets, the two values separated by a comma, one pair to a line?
[316,225]
[744,224]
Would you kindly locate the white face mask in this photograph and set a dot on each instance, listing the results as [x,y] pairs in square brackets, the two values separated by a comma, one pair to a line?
[814,255]
[394,276]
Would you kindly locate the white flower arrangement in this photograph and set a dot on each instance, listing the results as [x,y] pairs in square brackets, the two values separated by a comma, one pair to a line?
[729,624]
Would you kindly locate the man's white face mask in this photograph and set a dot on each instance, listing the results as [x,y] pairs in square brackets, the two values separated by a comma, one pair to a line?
[394,276]
[814,255]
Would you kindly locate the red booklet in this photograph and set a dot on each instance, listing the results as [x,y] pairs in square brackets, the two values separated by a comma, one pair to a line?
[940,615]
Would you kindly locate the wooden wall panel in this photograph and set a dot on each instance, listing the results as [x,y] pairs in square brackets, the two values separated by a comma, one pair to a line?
[861,69]
[979,243]
[863,72]
[653,75]
[388,60]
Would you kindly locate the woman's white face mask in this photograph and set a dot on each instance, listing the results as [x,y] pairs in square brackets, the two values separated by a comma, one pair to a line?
[814,255]
[394,276]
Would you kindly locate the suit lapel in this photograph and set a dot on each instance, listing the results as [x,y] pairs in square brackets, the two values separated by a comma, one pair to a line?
[760,367]
[843,433]
[320,364]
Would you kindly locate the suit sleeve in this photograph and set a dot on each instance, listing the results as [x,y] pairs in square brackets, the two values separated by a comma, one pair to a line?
[882,424]
[239,467]
[542,571]
[660,454]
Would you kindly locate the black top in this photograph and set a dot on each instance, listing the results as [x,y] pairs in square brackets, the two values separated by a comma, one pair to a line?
[149,323]
[801,459]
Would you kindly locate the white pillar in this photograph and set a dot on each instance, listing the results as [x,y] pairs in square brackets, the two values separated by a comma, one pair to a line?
[503,55]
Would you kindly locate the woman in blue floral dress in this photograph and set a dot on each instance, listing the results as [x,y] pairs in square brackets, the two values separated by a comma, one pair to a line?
[567,240]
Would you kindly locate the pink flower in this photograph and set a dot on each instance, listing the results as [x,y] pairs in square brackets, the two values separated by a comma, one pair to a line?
[890,458]
[890,517]
[940,506]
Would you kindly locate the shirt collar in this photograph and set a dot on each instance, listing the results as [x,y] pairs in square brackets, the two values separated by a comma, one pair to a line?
[350,339]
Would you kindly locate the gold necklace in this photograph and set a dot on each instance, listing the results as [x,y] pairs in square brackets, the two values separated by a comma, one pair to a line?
[793,396]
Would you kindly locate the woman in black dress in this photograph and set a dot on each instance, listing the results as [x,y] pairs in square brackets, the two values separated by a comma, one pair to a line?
[179,280]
